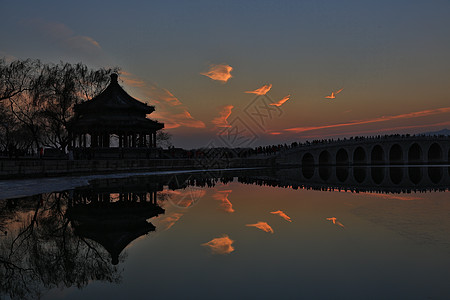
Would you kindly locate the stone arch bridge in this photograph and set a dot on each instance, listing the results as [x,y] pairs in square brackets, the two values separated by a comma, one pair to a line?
[384,150]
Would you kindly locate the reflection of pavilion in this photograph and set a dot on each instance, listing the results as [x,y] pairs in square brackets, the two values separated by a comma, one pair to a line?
[114,212]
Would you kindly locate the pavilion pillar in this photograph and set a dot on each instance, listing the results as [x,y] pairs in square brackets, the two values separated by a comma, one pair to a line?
[120,140]
[133,140]
[154,139]
[93,140]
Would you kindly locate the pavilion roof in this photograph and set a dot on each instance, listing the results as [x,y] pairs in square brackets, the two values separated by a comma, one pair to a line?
[113,97]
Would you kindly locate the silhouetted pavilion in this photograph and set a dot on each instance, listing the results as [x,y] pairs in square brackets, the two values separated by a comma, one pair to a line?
[113,112]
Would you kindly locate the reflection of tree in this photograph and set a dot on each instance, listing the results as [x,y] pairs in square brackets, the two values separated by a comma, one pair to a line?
[44,253]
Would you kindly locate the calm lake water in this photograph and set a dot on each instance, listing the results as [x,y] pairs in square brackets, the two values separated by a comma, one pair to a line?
[346,233]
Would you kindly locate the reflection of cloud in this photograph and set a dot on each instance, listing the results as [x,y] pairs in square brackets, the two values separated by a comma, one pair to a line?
[281,102]
[219,72]
[262,90]
[225,204]
[222,245]
[221,120]
[393,197]
[65,36]
[281,214]
[168,221]
[417,114]
[262,225]
[185,198]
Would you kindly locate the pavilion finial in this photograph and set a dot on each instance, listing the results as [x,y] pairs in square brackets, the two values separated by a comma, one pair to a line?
[114,77]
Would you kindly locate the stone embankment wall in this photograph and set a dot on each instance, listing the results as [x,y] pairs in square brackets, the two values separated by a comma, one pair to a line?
[11,169]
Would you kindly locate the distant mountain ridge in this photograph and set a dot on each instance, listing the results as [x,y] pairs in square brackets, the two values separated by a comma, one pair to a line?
[444,131]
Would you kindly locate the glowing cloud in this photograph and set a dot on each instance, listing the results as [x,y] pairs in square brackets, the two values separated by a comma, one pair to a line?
[262,90]
[221,120]
[281,102]
[225,204]
[170,109]
[418,114]
[131,80]
[219,72]
[281,214]
[222,245]
[333,94]
[336,222]
[262,225]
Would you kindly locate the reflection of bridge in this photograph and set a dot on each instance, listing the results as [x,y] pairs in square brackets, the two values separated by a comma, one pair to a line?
[361,178]
[385,150]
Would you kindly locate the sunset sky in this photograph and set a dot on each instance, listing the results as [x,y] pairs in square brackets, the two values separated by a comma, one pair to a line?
[196,61]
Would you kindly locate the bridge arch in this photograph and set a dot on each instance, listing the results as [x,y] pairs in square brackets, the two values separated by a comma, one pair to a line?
[324,158]
[342,173]
[308,160]
[434,153]
[395,154]
[324,172]
[377,155]
[435,174]
[396,174]
[377,174]
[342,157]
[359,156]
[359,173]
[415,174]
[415,154]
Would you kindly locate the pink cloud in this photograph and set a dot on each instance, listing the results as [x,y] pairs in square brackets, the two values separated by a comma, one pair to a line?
[422,113]
[221,120]
[262,90]
[219,72]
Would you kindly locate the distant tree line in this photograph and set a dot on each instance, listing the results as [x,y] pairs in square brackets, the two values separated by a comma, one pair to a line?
[37,100]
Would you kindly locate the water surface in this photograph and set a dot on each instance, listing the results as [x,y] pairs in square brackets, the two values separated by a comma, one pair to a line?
[366,233]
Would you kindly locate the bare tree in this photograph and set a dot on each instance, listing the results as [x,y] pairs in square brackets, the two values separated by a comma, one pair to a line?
[58,89]
[163,139]
[41,97]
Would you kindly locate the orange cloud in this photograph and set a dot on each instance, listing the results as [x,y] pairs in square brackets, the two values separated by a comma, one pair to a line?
[281,102]
[221,120]
[262,90]
[423,113]
[333,94]
[225,204]
[262,225]
[130,80]
[219,72]
[170,110]
[390,129]
[222,245]
[281,214]
[336,222]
